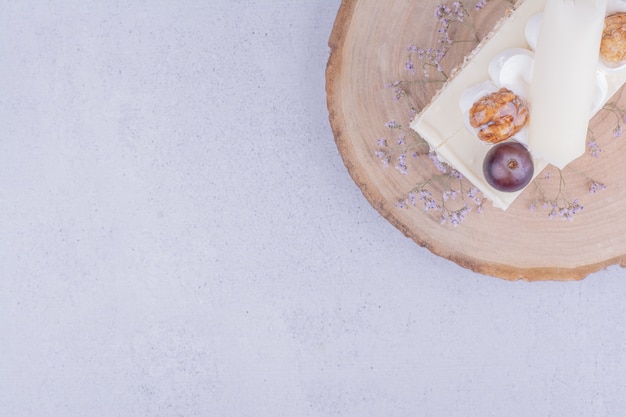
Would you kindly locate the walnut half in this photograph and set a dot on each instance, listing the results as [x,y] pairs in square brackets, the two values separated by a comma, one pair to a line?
[498,116]
[613,43]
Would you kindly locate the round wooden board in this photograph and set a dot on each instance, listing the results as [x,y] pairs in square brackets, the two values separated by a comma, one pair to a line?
[368,52]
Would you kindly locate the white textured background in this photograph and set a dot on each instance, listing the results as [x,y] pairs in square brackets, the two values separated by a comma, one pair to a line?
[179,237]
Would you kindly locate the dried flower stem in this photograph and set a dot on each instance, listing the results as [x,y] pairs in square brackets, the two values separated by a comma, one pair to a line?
[560,206]
[620,115]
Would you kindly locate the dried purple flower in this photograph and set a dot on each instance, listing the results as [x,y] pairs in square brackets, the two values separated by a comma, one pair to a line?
[617,132]
[440,165]
[455,174]
[384,157]
[401,166]
[392,124]
[441,10]
[450,195]
[596,186]
[565,212]
[457,217]
[472,194]
[409,66]
[594,148]
[426,197]
[398,90]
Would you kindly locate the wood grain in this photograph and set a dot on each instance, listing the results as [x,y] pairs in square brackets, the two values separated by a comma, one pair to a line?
[368,52]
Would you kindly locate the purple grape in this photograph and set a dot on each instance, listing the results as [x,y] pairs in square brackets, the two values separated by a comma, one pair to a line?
[508,166]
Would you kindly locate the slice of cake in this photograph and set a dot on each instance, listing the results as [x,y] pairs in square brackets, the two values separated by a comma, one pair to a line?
[552,136]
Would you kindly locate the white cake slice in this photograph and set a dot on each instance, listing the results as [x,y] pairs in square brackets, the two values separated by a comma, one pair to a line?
[442,123]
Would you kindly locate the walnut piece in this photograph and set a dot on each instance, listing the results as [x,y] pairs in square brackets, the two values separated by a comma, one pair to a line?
[498,116]
[613,43]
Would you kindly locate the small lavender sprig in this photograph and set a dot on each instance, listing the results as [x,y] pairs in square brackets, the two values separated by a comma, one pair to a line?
[400,92]
[432,57]
[406,142]
[453,202]
[560,206]
[482,3]
[619,113]
[620,116]
[592,144]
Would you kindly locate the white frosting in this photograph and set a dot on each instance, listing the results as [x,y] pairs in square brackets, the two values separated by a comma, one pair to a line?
[569,38]
[532,30]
